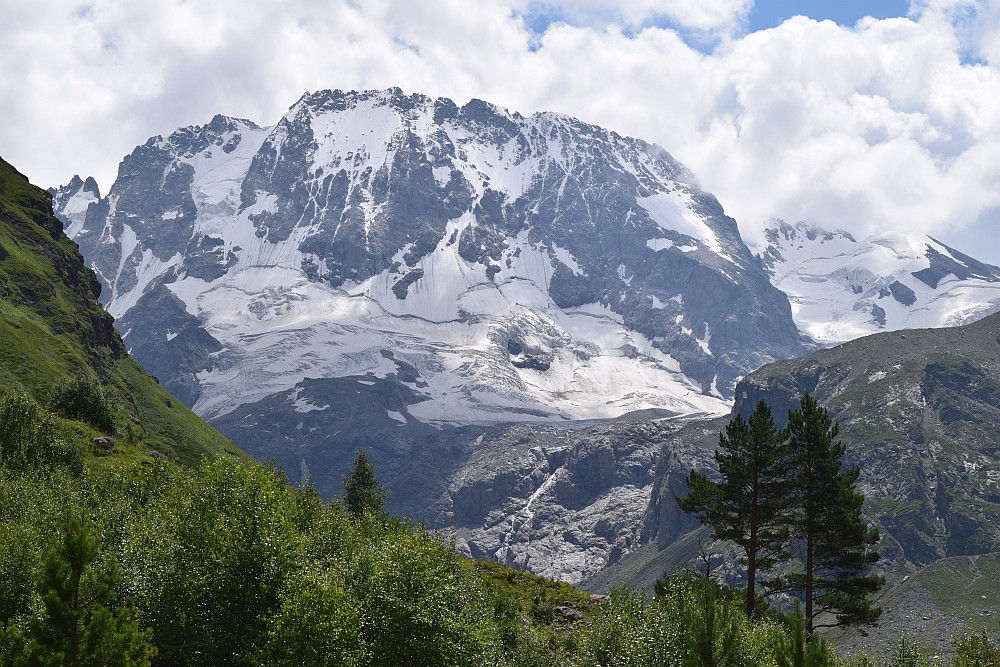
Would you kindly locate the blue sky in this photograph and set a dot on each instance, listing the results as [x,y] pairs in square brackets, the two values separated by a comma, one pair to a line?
[764,14]
[771,13]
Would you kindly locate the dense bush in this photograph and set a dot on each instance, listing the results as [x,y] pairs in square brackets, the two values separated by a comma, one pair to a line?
[85,399]
[31,439]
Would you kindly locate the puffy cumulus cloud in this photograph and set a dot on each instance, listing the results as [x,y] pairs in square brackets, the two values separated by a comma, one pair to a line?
[881,126]
[81,84]
[889,124]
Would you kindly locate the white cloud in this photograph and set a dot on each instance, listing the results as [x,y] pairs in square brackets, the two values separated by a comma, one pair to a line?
[886,125]
[710,16]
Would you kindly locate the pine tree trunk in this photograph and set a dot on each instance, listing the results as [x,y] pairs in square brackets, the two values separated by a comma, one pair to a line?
[752,553]
[809,586]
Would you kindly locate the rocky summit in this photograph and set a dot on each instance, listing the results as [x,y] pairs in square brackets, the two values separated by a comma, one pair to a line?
[499,267]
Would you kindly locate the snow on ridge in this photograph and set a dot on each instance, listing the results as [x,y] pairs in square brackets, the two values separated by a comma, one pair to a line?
[75,210]
[280,322]
[840,289]
[598,368]
[672,211]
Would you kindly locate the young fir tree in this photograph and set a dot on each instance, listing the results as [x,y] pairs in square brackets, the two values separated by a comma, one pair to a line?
[832,537]
[363,494]
[77,627]
[750,505]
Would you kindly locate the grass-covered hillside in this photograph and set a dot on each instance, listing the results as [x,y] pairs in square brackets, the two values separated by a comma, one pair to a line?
[53,332]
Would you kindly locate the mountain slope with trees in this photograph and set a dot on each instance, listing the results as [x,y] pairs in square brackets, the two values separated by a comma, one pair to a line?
[134,559]
[919,411]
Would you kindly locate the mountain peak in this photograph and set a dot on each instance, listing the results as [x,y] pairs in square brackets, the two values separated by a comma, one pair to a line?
[584,250]
[841,289]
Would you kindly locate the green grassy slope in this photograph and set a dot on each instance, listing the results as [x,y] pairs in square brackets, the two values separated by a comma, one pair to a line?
[52,329]
[933,606]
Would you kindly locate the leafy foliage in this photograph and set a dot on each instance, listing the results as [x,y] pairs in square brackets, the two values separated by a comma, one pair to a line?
[976,650]
[77,627]
[85,399]
[30,437]
[225,564]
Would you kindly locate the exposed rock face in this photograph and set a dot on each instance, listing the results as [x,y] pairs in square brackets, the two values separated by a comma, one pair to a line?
[450,235]
[919,412]
[561,503]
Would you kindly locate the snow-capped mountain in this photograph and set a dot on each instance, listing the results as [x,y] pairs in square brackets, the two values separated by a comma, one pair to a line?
[72,201]
[500,267]
[841,289]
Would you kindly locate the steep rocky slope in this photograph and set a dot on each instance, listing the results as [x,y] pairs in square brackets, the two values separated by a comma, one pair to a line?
[919,411]
[52,327]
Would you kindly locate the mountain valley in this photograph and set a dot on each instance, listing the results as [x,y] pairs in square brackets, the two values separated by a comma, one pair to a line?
[535,326]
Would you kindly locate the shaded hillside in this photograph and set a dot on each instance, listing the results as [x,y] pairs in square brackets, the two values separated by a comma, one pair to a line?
[919,411]
[53,329]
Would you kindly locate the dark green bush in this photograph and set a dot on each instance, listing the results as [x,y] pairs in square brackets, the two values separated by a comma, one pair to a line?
[85,399]
[30,438]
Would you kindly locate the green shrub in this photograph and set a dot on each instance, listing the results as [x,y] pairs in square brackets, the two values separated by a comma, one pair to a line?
[420,602]
[976,650]
[31,439]
[79,623]
[318,623]
[909,653]
[85,399]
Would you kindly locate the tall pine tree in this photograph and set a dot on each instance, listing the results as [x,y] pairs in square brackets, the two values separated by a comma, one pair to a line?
[833,539]
[749,506]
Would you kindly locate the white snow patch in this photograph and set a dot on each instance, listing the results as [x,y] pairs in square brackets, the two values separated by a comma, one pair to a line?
[672,210]
[703,342]
[659,244]
[568,260]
